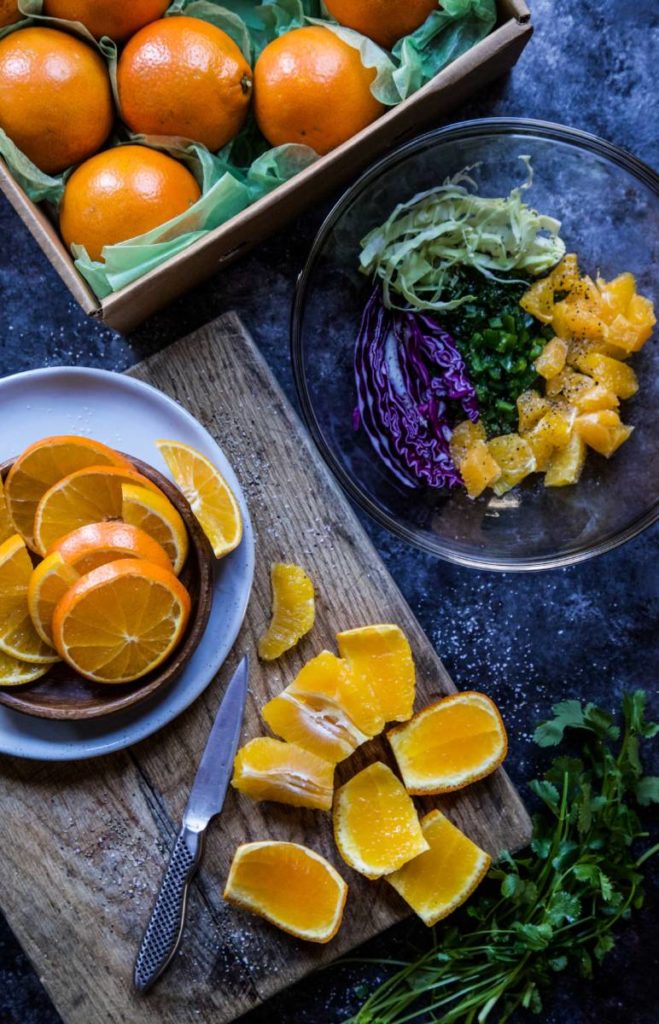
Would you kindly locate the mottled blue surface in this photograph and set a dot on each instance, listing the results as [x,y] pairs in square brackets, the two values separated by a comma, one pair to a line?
[587,631]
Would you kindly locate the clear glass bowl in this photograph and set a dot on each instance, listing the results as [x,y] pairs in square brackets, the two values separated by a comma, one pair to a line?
[609,205]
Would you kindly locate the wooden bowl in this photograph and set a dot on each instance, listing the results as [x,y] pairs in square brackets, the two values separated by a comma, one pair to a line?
[64,694]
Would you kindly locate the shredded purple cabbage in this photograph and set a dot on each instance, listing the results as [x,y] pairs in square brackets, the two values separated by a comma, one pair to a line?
[406,367]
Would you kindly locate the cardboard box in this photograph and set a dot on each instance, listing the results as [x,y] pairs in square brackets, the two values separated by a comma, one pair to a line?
[125,309]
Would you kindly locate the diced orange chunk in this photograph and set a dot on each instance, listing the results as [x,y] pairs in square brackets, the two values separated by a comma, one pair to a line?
[531,406]
[565,276]
[567,463]
[602,431]
[552,358]
[578,349]
[314,723]
[478,469]
[640,311]
[576,320]
[464,436]
[538,300]
[610,373]
[380,661]
[629,335]
[616,295]
[541,444]
[515,457]
[568,384]
[268,769]
[597,397]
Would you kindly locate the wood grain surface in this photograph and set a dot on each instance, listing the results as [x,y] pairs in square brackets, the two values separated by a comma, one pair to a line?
[83,846]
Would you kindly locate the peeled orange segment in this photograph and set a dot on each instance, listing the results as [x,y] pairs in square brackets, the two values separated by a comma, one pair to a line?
[267,769]
[18,637]
[152,512]
[90,495]
[450,743]
[42,465]
[313,723]
[438,881]
[7,528]
[16,673]
[121,621]
[98,543]
[48,584]
[380,661]
[376,827]
[326,681]
[289,885]
[293,610]
[211,499]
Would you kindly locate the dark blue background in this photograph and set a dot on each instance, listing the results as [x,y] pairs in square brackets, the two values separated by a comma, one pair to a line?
[588,631]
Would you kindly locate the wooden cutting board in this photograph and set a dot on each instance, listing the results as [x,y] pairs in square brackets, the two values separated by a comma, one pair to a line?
[83,846]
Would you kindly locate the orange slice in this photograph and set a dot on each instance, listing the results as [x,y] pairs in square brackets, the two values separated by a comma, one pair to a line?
[90,495]
[211,499]
[42,465]
[152,512]
[313,723]
[438,881]
[16,673]
[376,826]
[121,621]
[267,769]
[293,610]
[7,528]
[97,543]
[289,885]
[380,661]
[18,637]
[450,743]
[48,584]
[327,681]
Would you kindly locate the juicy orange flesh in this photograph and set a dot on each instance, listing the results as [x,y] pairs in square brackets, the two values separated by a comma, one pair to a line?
[293,610]
[7,528]
[155,514]
[267,769]
[316,727]
[439,880]
[18,637]
[379,658]
[48,585]
[327,677]
[14,672]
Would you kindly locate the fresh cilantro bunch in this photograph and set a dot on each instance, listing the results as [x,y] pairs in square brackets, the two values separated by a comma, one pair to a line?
[555,907]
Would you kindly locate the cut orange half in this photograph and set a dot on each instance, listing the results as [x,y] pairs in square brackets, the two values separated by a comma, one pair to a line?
[89,546]
[313,723]
[267,769]
[48,584]
[293,610]
[211,499]
[327,681]
[18,637]
[380,661]
[289,885]
[438,881]
[42,465]
[16,673]
[152,512]
[7,528]
[376,826]
[121,621]
[449,744]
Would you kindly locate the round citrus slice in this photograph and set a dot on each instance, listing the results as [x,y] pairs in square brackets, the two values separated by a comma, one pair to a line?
[90,495]
[290,886]
[293,610]
[376,826]
[380,663]
[438,881]
[97,543]
[152,512]
[121,621]
[16,673]
[7,528]
[267,769]
[48,584]
[449,744]
[42,465]
[18,637]
[211,499]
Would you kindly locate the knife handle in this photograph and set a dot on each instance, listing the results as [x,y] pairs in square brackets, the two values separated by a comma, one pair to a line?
[165,928]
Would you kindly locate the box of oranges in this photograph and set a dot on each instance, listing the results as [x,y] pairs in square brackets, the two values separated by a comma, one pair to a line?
[146,144]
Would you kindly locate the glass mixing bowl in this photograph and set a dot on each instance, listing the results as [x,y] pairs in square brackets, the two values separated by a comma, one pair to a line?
[609,205]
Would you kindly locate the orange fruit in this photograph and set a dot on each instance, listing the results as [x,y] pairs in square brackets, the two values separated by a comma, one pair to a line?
[293,610]
[107,17]
[327,681]
[7,528]
[48,584]
[152,512]
[55,97]
[384,21]
[380,661]
[183,76]
[289,885]
[267,769]
[376,827]
[450,743]
[211,499]
[315,724]
[121,621]
[310,87]
[16,673]
[9,12]
[42,465]
[18,637]
[90,495]
[89,546]
[122,193]
[438,881]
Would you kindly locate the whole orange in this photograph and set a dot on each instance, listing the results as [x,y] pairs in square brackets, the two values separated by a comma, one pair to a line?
[9,12]
[384,21]
[121,193]
[55,97]
[183,76]
[108,17]
[312,88]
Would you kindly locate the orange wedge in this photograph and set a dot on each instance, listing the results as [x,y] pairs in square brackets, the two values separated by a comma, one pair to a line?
[449,744]
[267,769]
[376,826]
[121,621]
[289,885]
[327,680]
[438,881]
[97,543]
[313,723]
[293,610]
[90,495]
[152,512]
[18,637]
[48,584]
[42,465]
[380,661]
[16,673]
[7,528]
[211,499]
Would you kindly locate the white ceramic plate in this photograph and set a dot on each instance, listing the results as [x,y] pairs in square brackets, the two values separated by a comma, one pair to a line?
[130,416]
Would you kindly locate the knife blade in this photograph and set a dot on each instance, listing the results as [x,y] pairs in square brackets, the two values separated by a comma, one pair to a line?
[165,928]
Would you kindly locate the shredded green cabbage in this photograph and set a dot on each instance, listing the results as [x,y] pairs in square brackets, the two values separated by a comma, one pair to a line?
[415,249]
